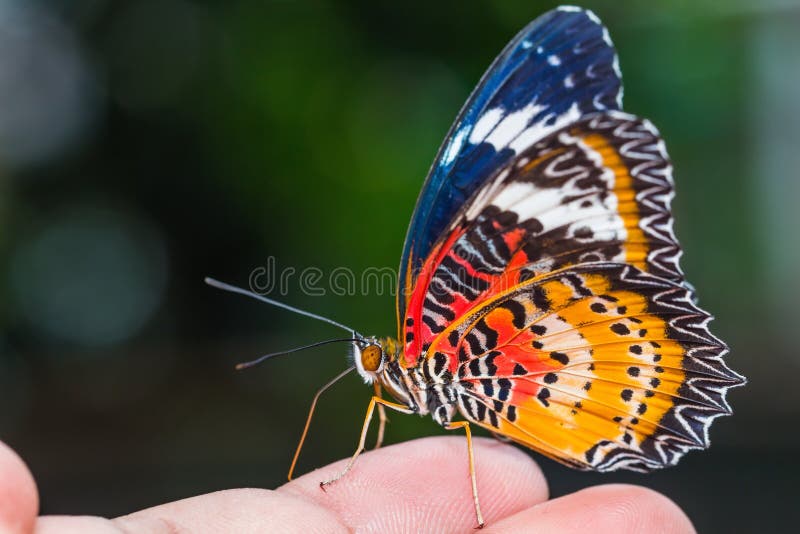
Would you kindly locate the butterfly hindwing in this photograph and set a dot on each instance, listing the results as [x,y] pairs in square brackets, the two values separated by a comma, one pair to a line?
[557,69]
[601,366]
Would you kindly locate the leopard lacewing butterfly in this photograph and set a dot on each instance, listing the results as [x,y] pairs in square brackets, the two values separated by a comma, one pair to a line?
[540,294]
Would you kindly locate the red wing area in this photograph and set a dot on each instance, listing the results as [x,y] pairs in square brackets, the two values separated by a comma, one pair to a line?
[596,190]
[601,366]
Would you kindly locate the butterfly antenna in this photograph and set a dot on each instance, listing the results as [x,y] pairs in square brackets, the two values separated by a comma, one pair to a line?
[233,289]
[251,363]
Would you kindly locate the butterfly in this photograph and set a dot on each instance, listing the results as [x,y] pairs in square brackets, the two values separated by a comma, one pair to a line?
[540,294]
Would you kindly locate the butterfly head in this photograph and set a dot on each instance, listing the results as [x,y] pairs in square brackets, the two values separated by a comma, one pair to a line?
[370,358]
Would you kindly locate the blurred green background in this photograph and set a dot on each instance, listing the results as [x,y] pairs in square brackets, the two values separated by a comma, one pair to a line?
[145,145]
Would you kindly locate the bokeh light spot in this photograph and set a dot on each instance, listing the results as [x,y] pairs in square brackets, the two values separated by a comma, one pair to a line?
[49,91]
[91,276]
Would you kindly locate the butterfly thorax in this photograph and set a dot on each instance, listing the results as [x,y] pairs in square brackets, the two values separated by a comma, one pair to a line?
[415,386]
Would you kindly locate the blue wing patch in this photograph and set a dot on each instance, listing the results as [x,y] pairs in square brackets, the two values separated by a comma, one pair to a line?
[558,68]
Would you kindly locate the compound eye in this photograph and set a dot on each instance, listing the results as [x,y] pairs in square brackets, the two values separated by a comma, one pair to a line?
[371,358]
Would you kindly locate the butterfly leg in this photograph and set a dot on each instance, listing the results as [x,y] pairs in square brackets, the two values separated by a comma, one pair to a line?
[376,401]
[465,425]
[382,419]
[320,391]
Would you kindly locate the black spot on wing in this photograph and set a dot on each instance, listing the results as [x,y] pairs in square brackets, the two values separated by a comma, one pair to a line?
[481,411]
[543,395]
[446,313]
[517,312]
[452,338]
[655,382]
[493,419]
[440,360]
[511,413]
[540,299]
[475,367]
[433,325]
[488,387]
[491,368]
[474,343]
[441,293]
[577,284]
[505,389]
[489,333]
[539,329]
[620,329]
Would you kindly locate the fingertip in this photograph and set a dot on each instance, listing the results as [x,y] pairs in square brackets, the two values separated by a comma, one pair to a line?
[605,508]
[19,499]
[239,510]
[507,471]
[75,524]
[426,482]
[654,511]
[639,509]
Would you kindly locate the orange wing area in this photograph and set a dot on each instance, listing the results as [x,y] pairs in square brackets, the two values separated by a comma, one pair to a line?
[597,190]
[601,366]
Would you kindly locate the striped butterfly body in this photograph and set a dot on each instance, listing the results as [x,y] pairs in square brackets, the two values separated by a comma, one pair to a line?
[540,294]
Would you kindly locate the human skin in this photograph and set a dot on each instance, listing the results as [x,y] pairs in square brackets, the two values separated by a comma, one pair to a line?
[416,486]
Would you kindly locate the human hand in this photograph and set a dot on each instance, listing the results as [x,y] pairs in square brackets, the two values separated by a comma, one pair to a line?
[416,486]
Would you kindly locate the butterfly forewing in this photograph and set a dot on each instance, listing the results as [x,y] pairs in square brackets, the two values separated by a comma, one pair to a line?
[597,190]
[558,68]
